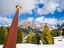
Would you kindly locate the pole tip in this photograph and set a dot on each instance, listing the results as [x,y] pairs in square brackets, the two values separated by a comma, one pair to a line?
[18,7]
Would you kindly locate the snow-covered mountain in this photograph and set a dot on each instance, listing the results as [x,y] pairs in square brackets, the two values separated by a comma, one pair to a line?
[25,25]
[38,26]
[60,25]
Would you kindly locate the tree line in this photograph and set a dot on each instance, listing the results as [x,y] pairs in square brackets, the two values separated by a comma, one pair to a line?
[34,38]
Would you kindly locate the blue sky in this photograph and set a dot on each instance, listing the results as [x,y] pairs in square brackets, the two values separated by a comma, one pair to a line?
[36,11]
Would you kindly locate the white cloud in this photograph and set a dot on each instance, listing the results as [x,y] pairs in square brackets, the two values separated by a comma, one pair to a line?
[43,20]
[4,20]
[30,19]
[51,21]
[39,19]
[8,6]
[60,21]
[49,7]
[61,5]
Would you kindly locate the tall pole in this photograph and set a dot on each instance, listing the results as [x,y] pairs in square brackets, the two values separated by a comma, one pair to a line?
[11,39]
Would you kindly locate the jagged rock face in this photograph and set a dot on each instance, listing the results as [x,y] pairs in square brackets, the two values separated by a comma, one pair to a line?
[25,24]
[60,25]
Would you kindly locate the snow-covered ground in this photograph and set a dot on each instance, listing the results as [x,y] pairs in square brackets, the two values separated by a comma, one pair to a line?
[58,44]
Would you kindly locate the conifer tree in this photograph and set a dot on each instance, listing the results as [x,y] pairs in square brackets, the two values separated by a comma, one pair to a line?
[31,33]
[59,32]
[20,36]
[6,30]
[63,32]
[46,37]
[3,33]
[53,33]
[36,39]
[29,39]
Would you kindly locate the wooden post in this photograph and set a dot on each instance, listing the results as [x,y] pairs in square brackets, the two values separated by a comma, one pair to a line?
[11,39]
